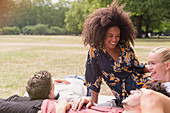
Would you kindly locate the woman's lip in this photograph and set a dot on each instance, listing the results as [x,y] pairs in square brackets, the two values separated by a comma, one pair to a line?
[151,74]
[113,43]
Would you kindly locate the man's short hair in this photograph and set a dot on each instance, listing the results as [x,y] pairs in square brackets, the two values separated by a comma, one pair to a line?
[157,86]
[39,86]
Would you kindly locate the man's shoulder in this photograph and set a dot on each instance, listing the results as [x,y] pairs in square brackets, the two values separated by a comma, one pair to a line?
[19,104]
[18,98]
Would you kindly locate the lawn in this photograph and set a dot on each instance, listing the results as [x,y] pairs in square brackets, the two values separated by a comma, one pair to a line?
[22,56]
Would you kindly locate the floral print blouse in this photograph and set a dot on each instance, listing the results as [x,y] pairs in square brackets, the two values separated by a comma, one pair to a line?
[121,76]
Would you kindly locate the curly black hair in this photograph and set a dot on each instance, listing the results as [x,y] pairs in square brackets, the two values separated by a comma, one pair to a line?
[97,23]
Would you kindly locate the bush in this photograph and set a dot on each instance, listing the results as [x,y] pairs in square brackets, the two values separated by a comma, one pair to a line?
[28,30]
[57,30]
[0,31]
[40,29]
[167,32]
[11,31]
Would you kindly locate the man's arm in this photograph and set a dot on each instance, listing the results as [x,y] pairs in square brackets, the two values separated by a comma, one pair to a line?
[145,69]
[154,102]
[57,81]
[62,106]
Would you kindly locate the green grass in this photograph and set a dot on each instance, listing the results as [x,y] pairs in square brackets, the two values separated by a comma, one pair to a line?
[22,56]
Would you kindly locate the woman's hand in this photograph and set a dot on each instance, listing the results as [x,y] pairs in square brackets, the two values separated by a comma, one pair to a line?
[78,104]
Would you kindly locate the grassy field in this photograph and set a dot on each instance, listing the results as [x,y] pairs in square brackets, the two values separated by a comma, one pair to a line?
[22,56]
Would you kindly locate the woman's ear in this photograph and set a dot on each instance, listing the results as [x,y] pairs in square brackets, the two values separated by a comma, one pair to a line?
[167,66]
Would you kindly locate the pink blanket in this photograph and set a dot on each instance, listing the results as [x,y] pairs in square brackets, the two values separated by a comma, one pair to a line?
[48,106]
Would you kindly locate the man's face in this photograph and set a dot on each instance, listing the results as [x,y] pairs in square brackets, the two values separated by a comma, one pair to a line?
[52,86]
[133,100]
[52,95]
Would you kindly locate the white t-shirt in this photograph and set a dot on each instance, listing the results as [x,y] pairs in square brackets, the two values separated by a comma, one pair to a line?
[167,84]
[73,90]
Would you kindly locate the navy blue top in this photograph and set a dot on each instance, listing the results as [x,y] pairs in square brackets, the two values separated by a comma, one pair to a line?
[121,76]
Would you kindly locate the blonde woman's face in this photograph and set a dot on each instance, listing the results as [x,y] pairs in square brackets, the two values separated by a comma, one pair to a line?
[156,67]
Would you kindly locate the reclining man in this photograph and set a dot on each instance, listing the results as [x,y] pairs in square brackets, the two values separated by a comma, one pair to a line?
[40,87]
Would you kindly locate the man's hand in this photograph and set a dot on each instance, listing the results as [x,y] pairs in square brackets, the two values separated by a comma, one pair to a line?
[62,106]
[78,104]
[57,81]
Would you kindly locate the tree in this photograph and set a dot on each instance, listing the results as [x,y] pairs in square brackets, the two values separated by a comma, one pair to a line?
[79,11]
[6,12]
[146,12]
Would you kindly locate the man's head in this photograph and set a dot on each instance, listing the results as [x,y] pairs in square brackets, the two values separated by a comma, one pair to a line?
[40,85]
[132,103]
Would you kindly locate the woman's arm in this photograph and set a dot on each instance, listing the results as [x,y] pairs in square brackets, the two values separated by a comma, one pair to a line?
[78,104]
[94,96]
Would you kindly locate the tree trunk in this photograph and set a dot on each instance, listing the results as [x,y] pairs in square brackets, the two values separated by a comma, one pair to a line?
[139,26]
[147,21]
[147,29]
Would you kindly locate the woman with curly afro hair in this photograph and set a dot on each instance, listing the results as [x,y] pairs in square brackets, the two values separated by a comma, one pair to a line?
[109,32]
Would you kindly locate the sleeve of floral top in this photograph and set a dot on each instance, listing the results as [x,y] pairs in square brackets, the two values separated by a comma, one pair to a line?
[93,77]
[135,63]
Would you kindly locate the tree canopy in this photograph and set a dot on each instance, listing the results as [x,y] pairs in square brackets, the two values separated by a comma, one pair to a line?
[147,15]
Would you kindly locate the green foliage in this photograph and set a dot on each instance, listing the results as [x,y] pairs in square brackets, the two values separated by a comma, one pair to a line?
[28,30]
[11,31]
[152,12]
[55,30]
[78,12]
[31,12]
[71,15]
[74,18]
[40,29]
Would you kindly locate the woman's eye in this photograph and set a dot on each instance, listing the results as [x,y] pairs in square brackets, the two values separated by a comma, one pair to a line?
[153,63]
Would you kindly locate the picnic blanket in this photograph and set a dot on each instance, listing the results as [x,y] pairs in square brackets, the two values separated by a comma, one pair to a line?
[48,106]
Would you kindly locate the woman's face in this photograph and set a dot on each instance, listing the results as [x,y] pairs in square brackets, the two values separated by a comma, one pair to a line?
[156,67]
[112,38]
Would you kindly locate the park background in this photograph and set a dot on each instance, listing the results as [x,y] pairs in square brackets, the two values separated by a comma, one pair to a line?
[44,34]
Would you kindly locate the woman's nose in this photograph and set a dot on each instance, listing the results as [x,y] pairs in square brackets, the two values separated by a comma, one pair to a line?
[149,67]
[113,38]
